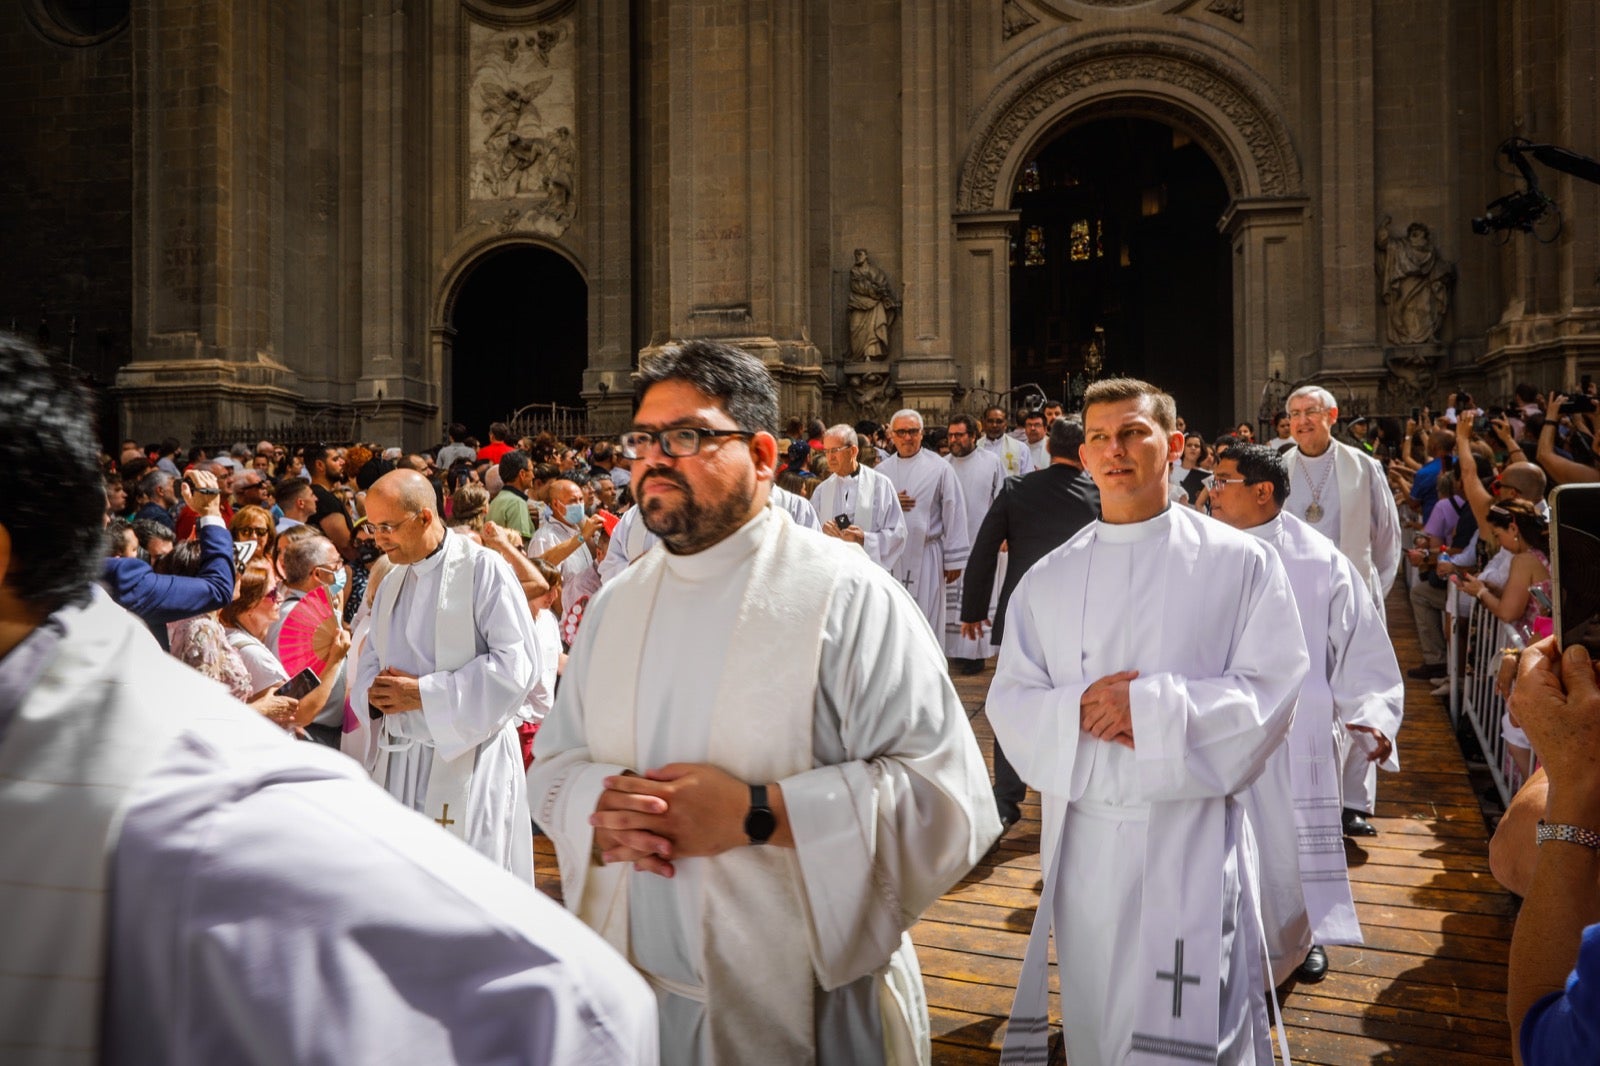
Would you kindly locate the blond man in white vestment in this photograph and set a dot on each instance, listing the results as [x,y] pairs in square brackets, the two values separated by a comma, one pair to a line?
[1147,675]
[199,888]
[1354,687]
[757,774]
[937,544]
[448,662]
[1343,493]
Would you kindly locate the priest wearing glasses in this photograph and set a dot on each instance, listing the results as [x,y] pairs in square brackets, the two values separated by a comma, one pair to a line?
[757,808]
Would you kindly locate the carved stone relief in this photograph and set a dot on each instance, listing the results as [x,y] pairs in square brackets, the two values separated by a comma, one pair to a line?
[1014,18]
[1251,117]
[1233,9]
[871,391]
[521,122]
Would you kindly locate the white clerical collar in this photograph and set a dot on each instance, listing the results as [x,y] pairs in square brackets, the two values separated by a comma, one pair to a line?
[1269,529]
[716,561]
[1318,460]
[1134,532]
[434,558]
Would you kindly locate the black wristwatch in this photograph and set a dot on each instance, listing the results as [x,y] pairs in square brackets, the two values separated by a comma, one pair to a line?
[760,823]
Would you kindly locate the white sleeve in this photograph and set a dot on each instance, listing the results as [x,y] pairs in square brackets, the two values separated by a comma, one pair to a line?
[888,540]
[1385,528]
[1362,670]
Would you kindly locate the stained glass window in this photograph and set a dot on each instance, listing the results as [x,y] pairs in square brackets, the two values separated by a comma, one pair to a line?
[1029,182]
[1078,247]
[1033,247]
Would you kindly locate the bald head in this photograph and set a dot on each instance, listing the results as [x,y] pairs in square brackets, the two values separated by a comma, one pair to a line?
[406,489]
[1526,480]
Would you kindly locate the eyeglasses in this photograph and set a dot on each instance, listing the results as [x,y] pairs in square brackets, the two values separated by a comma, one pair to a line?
[911,432]
[838,448]
[386,528]
[253,531]
[1309,412]
[1213,480]
[680,442]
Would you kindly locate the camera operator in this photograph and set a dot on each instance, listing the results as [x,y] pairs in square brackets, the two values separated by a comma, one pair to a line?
[1555,1018]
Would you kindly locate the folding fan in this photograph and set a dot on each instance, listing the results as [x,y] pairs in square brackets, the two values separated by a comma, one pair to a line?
[307,635]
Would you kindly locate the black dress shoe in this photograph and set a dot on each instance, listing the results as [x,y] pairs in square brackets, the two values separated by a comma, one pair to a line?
[1428,672]
[1315,968]
[971,667]
[1356,824]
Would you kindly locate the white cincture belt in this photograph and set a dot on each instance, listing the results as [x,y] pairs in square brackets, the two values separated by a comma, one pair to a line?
[1109,812]
[697,993]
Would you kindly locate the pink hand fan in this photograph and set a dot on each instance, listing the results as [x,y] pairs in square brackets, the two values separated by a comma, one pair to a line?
[307,636]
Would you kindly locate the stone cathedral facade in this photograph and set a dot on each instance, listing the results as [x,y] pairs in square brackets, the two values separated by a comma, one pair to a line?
[236,213]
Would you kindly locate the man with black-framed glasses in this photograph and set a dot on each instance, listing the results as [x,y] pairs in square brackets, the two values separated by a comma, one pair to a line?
[757,773]
[1354,688]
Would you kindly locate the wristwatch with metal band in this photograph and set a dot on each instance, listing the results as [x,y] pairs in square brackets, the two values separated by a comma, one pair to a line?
[1570,834]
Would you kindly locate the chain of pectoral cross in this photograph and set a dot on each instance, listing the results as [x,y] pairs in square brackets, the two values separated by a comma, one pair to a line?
[1178,978]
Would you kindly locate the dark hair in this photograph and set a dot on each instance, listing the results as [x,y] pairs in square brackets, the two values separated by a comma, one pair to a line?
[546,472]
[727,374]
[457,432]
[52,495]
[994,407]
[1258,463]
[549,571]
[290,488]
[182,561]
[1533,526]
[1163,409]
[815,429]
[1223,445]
[500,431]
[512,464]
[966,422]
[148,529]
[1033,412]
[867,428]
[168,446]
[1066,437]
[116,529]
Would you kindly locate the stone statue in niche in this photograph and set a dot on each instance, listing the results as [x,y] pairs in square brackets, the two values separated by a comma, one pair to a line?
[872,310]
[1416,284]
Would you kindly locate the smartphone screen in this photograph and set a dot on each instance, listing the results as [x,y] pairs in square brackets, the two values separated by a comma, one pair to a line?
[300,685]
[1575,565]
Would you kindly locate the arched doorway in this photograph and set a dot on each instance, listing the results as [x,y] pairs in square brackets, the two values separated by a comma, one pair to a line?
[1116,247]
[521,332]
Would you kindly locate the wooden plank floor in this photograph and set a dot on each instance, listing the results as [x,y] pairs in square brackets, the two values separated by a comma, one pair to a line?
[1428,987]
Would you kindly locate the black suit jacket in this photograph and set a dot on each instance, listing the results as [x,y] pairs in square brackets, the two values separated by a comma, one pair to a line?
[1033,515]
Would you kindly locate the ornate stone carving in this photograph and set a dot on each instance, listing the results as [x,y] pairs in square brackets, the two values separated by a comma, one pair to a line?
[520,120]
[1244,108]
[872,310]
[1416,284]
[871,391]
[1014,18]
[1411,380]
[1233,9]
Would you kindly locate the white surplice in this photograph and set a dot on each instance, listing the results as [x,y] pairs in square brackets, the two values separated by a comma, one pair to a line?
[202,889]
[469,714]
[1149,857]
[1354,680]
[1012,453]
[936,529]
[869,499]
[631,539]
[889,806]
[982,476]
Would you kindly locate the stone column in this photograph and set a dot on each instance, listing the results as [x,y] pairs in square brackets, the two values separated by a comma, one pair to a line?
[733,149]
[1272,316]
[983,279]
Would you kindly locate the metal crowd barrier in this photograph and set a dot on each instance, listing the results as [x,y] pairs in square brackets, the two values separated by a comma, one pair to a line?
[1476,642]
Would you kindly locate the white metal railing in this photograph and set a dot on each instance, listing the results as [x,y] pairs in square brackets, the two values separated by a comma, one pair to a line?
[1474,658]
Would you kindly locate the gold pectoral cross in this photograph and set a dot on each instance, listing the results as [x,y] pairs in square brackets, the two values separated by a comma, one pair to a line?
[444,819]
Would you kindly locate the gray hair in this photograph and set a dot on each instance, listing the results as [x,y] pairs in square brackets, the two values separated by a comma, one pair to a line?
[730,375]
[1315,392]
[302,556]
[907,412]
[151,482]
[845,433]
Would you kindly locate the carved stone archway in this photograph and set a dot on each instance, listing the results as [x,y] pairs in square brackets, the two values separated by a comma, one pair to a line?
[1224,107]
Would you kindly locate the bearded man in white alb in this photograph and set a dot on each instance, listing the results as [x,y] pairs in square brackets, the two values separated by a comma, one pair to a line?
[982,476]
[756,810]
[863,498]
[1148,673]
[448,663]
[937,543]
[632,538]
[1343,493]
[1354,686]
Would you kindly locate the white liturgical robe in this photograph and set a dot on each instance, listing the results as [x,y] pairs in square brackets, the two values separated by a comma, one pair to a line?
[461,749]
[767,954]
[982,476]
[226,895]
[1357,510]
[869,499]
[1012,453]
[936,529]
[1149,858]
[1354,680]
[631,539]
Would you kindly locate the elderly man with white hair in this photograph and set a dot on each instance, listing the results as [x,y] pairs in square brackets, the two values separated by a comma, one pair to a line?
[930,494]
[1343,493]
[864,499]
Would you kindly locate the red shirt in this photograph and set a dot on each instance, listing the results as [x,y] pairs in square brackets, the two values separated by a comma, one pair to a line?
[493,451]
[187,519]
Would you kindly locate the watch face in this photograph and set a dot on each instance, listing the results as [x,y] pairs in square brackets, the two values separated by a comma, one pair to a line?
[759,825]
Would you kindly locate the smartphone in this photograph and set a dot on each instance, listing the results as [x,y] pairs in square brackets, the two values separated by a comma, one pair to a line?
[1578,405]
[300,685]
[1416,415]
[1575,565]
[842,521]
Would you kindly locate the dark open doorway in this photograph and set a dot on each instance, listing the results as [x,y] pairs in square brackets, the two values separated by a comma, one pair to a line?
[1118,246]
[522,333]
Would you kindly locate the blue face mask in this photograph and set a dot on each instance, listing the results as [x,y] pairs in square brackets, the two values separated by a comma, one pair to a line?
[574,514]
[338,583]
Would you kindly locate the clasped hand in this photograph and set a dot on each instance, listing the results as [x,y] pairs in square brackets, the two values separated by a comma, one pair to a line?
[1105,711]
[679,811]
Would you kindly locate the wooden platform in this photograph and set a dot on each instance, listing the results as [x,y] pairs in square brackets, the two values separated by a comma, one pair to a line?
[1427,988]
